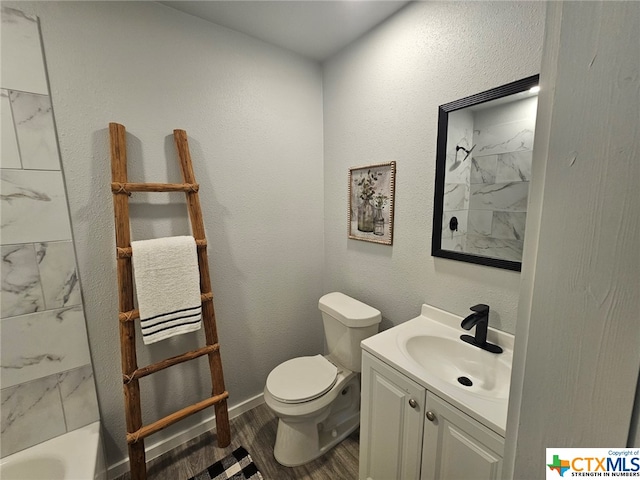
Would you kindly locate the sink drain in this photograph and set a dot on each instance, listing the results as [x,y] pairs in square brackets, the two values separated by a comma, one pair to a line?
[465,381]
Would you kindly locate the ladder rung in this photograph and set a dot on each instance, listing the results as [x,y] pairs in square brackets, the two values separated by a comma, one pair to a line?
[126,252]
[132,315]
[127,188]
[158,425]
[169,362]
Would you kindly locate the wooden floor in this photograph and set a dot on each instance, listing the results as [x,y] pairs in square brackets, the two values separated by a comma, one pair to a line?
[255,430]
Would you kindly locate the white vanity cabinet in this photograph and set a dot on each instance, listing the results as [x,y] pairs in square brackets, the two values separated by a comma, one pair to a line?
[407,432]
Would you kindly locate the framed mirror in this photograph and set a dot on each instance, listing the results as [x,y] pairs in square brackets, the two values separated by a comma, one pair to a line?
[483,169]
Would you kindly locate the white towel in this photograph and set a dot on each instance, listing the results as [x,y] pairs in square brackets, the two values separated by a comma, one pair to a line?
[167,280]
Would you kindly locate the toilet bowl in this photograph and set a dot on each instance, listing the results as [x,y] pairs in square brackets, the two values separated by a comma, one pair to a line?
[317,398]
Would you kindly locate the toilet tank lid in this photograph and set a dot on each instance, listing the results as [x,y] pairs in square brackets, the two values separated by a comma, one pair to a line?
[349,311]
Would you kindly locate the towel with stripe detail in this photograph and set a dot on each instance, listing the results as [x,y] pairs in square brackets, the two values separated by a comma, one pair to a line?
[167,280]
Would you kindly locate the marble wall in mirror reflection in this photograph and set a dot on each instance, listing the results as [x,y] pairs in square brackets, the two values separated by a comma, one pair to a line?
[488,190]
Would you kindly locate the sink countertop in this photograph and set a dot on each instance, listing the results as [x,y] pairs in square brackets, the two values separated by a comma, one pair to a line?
[386,345]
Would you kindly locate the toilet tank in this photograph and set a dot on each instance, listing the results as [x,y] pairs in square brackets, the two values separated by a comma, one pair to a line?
[347,322]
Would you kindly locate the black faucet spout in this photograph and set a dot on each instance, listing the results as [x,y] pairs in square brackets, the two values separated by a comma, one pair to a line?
[480,320]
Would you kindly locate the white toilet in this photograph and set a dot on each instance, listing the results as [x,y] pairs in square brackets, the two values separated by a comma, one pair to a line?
[317,398]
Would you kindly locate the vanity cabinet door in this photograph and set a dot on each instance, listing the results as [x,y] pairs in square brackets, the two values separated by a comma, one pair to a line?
[458,447]
[391,422]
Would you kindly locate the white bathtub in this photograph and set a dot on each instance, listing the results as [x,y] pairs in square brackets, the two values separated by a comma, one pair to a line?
[76,455]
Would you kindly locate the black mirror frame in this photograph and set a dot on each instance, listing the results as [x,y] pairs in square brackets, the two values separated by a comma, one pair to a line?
[441,160]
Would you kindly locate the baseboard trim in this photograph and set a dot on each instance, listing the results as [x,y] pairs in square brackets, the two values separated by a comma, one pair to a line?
[163,446]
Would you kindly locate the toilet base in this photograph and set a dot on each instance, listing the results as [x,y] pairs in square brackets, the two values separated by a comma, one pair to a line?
[298,441]
[299,446]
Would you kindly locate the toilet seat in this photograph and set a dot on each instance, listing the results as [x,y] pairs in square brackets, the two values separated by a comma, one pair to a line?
[302,379]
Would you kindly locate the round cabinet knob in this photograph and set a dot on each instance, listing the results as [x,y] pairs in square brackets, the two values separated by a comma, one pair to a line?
[413,403]
[431,416]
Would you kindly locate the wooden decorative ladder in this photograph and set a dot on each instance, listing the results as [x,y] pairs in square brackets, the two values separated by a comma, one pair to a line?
[122,189]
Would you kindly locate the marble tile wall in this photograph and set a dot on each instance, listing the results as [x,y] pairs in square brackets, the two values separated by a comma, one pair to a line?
[457,184]
[45,366]
[499,179]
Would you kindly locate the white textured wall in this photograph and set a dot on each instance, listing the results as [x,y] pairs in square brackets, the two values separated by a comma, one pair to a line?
[577,344]
[381,98]
[253,114]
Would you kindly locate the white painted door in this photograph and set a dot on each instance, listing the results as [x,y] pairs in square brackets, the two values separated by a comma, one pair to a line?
[457,447]
[391,422]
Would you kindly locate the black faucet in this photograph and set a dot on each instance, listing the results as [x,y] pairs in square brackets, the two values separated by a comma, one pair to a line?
[479,319]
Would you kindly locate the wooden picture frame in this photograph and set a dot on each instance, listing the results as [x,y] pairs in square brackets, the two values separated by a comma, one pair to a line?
[371,202]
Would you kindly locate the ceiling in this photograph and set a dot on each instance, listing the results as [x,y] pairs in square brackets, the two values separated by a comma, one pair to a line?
[316,29]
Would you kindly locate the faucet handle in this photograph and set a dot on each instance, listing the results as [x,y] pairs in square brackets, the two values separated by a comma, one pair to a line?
[480,308]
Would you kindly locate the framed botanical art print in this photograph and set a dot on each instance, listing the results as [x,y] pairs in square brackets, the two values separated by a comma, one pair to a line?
[371,199]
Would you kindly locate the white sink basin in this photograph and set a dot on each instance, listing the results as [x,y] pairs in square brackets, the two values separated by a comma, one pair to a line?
[429,351]
[460,364]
